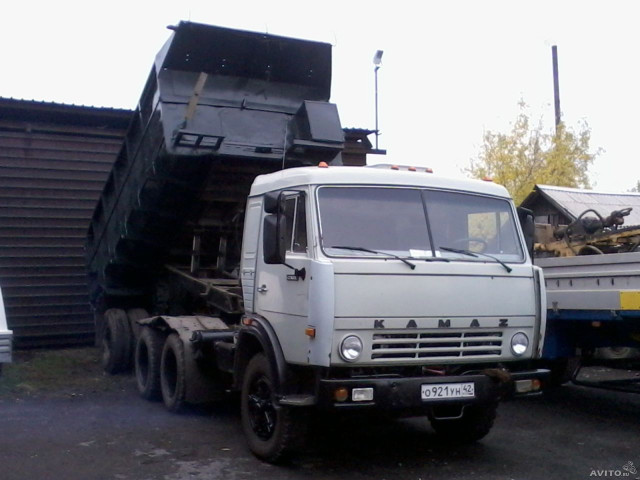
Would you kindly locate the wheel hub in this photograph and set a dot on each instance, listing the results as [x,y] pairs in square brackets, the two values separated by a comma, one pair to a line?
[262,413]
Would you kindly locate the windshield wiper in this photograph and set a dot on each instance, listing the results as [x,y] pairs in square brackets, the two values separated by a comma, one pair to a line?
[476,254]
[362,249]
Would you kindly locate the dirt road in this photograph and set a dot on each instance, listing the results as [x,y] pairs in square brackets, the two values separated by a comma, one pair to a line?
[101,429]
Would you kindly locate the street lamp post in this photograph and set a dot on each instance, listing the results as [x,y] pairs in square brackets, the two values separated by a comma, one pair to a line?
[377,60]
[556,87]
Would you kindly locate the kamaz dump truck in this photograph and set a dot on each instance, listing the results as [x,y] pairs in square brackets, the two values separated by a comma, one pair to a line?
[230,251]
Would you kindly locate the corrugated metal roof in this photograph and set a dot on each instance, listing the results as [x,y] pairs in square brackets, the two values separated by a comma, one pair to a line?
[574,201]
[25,103]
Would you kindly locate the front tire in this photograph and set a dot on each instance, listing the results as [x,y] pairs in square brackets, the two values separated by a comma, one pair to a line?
[272,431]
[476,422]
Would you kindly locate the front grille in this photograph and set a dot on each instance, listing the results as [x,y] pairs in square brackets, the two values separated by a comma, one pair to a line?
[436,345]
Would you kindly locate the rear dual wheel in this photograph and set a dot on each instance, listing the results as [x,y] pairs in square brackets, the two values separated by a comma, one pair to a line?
[135,314]
[119,337]
[173,376]
[161,368]
[147,363]
[116,342]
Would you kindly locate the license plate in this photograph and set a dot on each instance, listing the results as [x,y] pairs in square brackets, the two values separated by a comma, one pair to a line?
[437,391]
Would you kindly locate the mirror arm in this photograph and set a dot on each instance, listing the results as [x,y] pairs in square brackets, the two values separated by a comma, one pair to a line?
[298,272]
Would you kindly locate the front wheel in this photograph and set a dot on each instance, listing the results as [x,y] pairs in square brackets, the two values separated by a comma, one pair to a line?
[475,423]
[272,431]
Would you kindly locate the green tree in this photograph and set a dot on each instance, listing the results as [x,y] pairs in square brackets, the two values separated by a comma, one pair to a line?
[528,155]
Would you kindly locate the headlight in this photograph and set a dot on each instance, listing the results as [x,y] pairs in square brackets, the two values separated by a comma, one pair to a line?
[519,344]
[350,348]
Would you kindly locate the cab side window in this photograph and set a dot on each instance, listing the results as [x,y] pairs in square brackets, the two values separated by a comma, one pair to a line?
[296,221]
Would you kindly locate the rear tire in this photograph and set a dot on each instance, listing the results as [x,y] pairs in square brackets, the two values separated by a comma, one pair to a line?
[147,361]
[272,431]
[173,378]
[561,371]
[617,353]
[476,422]
[134,315]
[116,342]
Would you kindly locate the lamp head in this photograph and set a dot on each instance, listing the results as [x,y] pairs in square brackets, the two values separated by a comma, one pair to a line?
[377,58]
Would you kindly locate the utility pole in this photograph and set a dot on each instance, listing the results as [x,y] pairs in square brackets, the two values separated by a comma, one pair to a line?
[556,86]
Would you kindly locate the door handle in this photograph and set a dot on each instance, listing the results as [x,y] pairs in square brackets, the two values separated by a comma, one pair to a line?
[262,289]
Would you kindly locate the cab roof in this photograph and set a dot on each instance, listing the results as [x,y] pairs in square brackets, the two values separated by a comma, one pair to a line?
[371,175]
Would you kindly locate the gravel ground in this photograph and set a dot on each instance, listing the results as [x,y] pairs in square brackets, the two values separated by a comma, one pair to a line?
[63,419]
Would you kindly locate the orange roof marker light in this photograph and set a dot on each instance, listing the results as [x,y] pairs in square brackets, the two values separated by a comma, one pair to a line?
[428,170]
[395,167]
[323,165]
[412,169]
[487,179]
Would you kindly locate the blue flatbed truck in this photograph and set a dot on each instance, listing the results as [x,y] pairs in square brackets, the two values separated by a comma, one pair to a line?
[593,307]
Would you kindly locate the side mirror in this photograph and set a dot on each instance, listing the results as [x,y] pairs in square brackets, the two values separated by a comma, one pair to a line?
[273,239]
[528,227]
[272,202]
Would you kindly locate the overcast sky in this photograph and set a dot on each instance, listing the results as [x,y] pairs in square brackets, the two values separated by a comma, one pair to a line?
[451,70]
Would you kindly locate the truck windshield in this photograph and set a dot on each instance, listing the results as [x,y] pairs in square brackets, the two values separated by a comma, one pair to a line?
[383,219]
[416,223]
[474,223]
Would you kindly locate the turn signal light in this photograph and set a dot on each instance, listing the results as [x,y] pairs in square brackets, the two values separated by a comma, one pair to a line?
[341,394]
[310,332]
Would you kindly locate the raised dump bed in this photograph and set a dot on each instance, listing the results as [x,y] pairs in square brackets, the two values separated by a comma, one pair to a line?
[219,108]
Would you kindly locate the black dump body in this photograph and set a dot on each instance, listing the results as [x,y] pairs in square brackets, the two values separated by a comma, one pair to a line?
[219,108]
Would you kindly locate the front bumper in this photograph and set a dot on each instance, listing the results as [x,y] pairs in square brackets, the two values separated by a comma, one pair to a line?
[5,347]
[405,393]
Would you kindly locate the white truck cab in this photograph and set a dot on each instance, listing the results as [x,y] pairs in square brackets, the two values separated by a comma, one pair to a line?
[6,336]
[408,290]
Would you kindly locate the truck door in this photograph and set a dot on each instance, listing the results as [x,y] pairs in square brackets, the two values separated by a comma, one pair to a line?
[281,296]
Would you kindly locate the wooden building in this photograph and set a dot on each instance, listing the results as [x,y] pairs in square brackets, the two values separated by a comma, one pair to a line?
[563,205]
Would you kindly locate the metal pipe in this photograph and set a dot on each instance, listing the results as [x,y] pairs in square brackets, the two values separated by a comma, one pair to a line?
[200,336]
